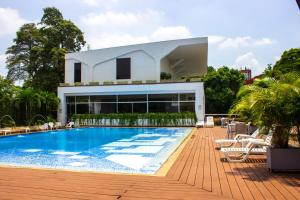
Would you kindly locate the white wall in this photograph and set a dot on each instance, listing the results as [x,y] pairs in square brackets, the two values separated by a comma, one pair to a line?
[143,67]
[99,65]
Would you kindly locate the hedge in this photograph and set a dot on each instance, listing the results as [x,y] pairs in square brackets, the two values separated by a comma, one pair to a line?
[136,119]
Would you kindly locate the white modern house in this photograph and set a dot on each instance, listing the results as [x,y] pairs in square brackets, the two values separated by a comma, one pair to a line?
[128,79]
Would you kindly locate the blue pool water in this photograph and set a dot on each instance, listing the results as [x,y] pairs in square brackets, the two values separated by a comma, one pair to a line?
[129,150]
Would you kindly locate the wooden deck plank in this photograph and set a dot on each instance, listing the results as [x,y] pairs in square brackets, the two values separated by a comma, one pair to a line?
[224,184]
[199,172]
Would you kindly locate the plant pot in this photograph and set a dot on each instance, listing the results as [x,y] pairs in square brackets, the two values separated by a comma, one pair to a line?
[283,159]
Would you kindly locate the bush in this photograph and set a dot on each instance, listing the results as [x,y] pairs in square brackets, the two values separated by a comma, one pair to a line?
[136,119]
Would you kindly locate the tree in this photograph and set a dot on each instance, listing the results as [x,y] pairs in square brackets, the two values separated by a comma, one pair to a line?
[289,62]
[23,55]
[7,92]
[37,55]
[272,103]
[221,87]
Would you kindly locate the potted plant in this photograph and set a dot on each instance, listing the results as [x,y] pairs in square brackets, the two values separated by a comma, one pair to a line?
[274,104]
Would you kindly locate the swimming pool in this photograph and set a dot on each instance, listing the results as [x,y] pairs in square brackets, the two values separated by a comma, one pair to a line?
[126,150]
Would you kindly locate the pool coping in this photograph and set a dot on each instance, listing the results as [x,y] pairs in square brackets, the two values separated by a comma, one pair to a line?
[162,171]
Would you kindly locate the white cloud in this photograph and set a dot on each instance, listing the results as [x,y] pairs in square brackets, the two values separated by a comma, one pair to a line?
[263,41]
[237,42]
[250,61]
[10,21]
[170,32]
[123,28]
[3,69]
[215,39]
[98,2]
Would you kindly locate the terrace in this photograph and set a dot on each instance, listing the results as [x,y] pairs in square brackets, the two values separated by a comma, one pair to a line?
[198,172]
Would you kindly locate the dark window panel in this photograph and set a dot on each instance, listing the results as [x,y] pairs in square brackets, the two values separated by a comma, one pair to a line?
[139,107]
[132,98]
[187,106]
[70,111]
[187,97]
[82,99]
[82,108]
[163,97]
[104,98]
[70,99]
[77,72]
[108,108]
[125,107]
[163,107]
[123,68]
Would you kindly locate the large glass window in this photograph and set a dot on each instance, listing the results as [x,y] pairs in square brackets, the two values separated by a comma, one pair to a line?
[123,68]
[139,103]
[77,72]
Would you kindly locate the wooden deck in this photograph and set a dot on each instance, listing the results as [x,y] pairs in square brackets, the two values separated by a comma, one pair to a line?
[198,173]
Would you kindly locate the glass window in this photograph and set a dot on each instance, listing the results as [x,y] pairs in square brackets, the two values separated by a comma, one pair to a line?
[163,97]
[77,72]
[163,107]
[108,108]
[70,99]
[82,99]
[139,107]
[187,106]
[125,107]
[132,98]
[82,108]
[104,98]
[187,97]
[123,68]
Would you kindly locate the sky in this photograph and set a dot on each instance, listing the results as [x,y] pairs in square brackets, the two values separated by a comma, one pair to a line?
[240,33]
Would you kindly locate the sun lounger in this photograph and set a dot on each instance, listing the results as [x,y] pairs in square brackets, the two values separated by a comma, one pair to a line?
[70,125]
[209,122]
[236,139]
[241,154]
[58,125]
[200,124]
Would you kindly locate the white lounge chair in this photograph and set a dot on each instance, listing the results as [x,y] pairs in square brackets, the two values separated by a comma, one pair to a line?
[237,138]
[44,127]
[57,125]
[70,125]
[253,147]
[51,125]
[200,124]
[209,121]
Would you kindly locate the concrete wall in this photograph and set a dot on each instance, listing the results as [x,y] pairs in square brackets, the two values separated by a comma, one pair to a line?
[99,65]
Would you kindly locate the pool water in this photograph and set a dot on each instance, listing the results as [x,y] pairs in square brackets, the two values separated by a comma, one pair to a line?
[126,150]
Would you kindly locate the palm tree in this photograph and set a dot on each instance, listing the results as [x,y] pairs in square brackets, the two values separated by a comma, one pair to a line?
[273,104]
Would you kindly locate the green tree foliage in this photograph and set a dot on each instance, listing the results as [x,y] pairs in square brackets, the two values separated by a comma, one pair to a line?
[270,102]
[37,55]
[23,103]
[221,87]
[288,62]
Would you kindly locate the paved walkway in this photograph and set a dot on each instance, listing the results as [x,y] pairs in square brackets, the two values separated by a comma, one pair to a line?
[198,173]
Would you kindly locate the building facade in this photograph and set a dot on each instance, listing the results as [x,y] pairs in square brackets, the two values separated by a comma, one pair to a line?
[128,79]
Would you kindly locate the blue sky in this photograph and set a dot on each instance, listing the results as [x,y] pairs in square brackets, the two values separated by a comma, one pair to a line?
[241,33]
